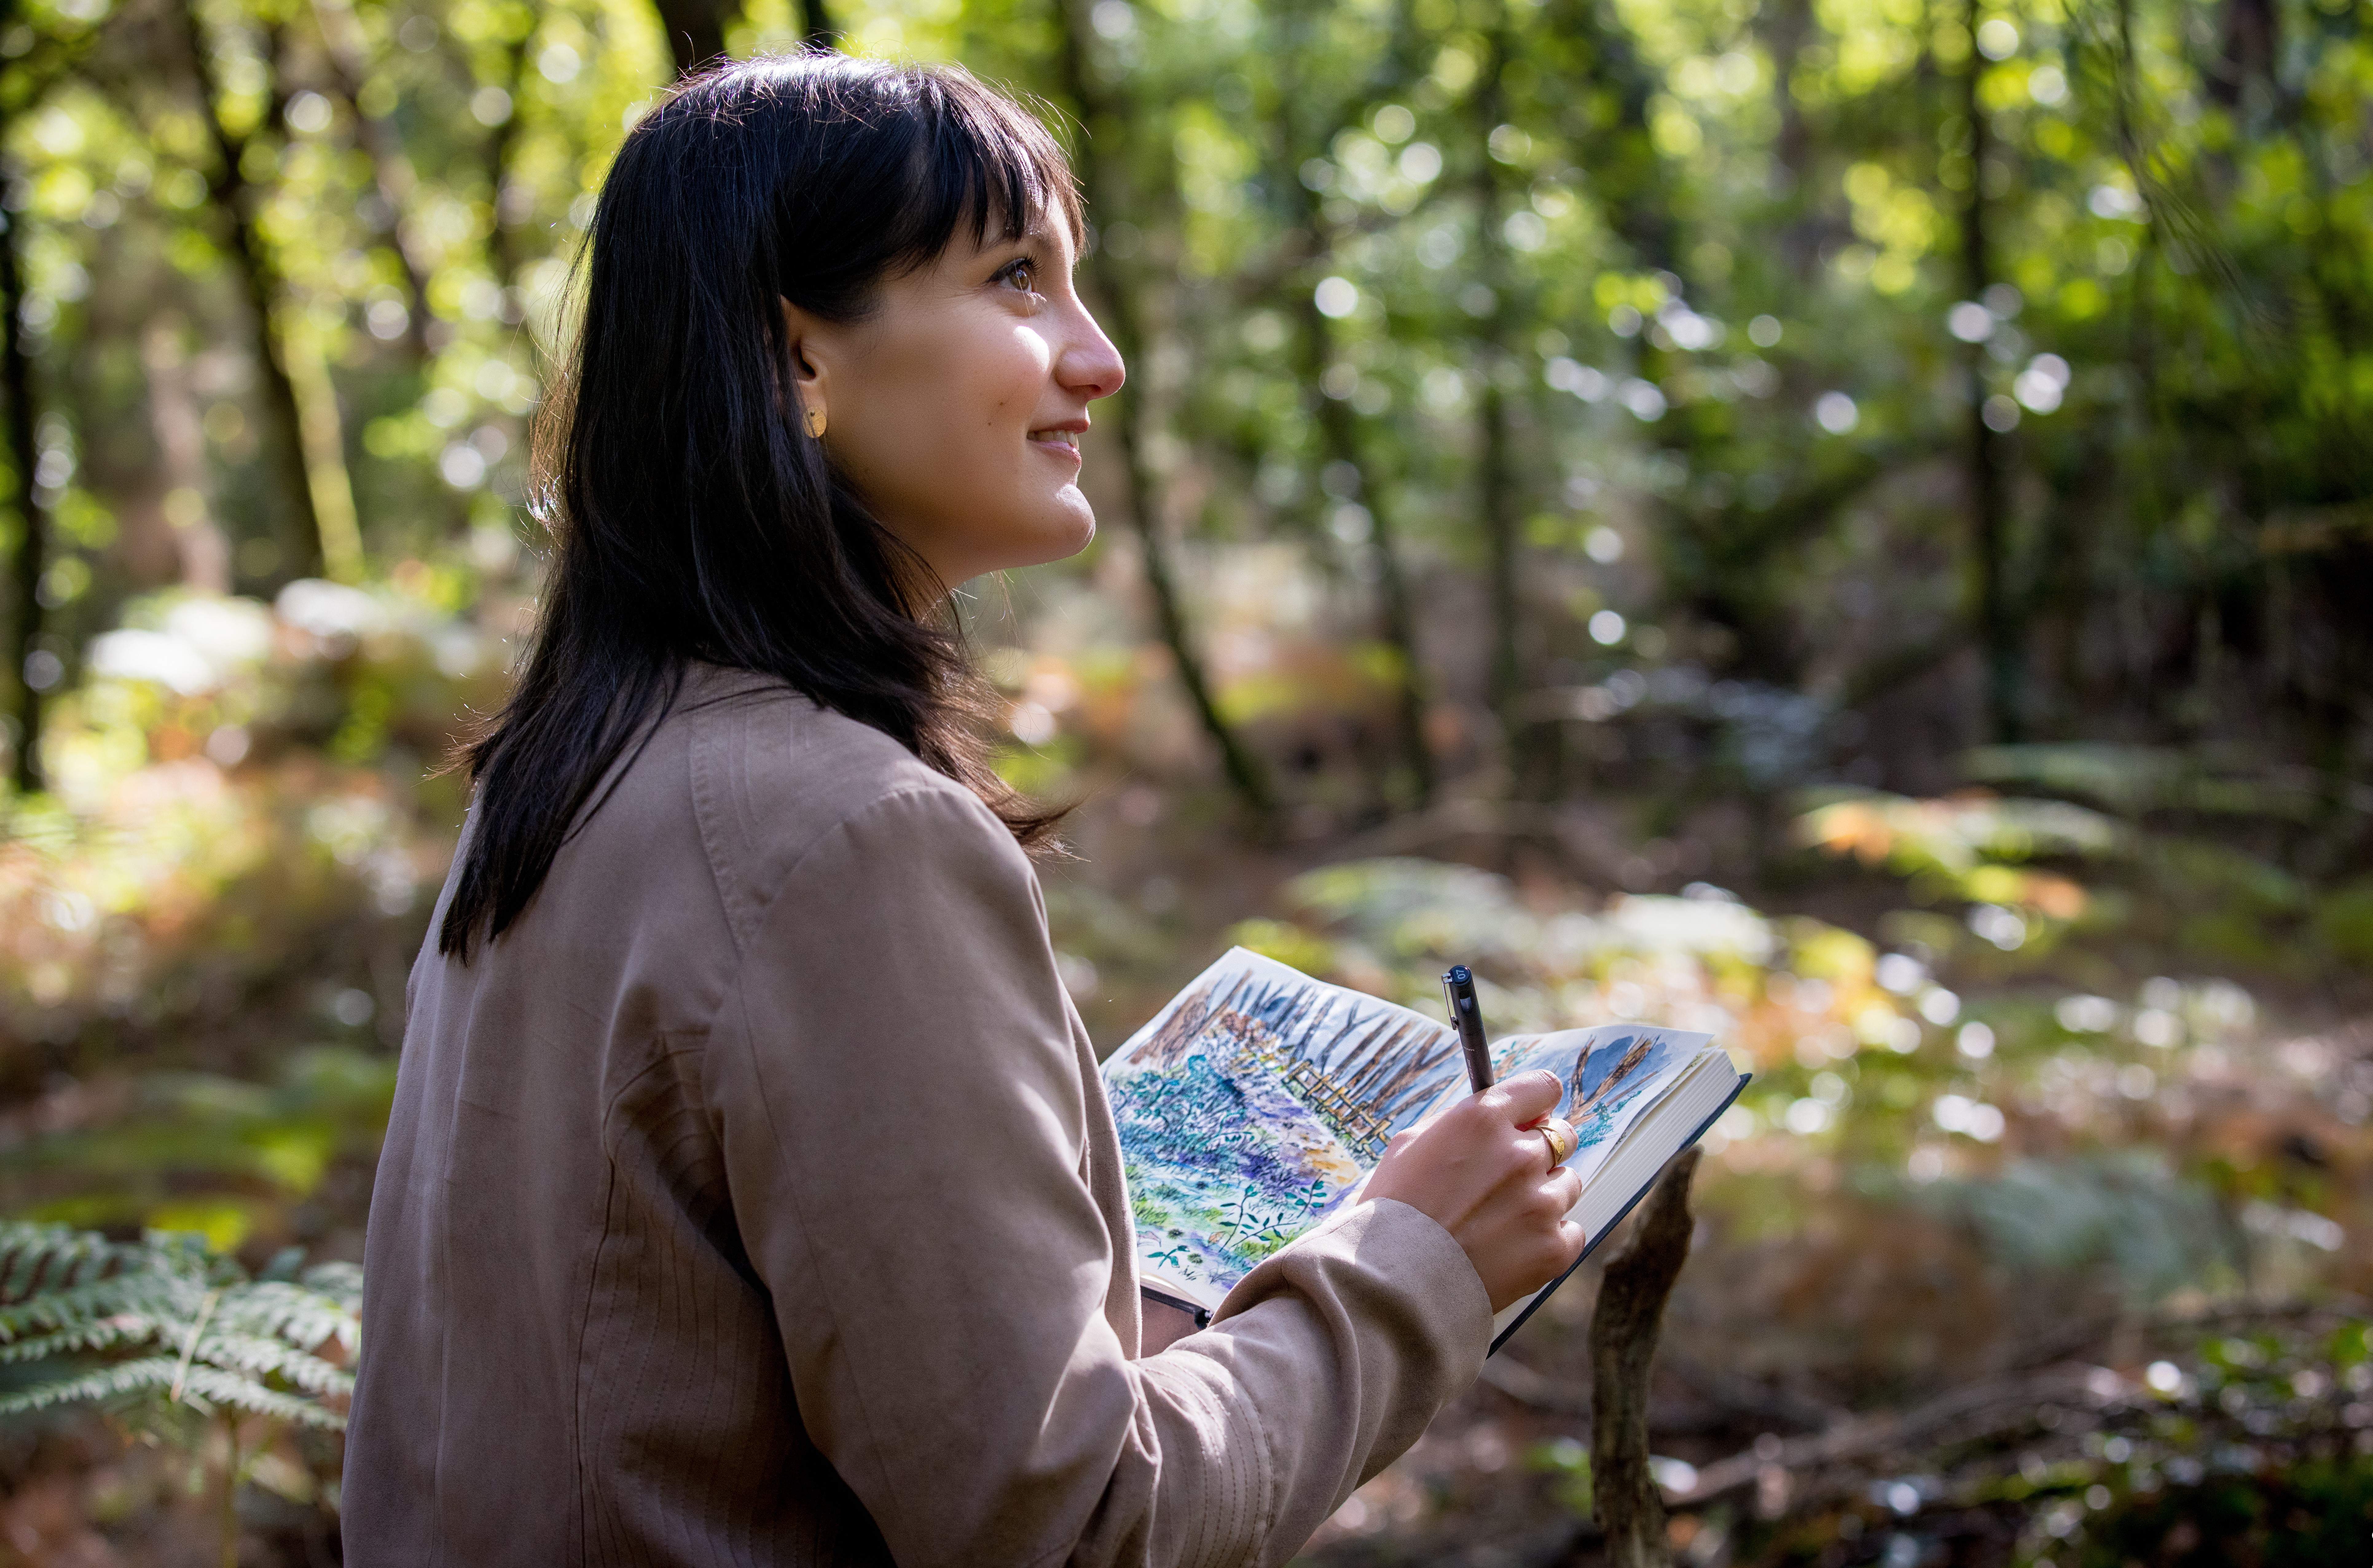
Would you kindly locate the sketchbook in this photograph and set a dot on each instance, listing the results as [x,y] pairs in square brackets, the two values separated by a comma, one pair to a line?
[1255,1104]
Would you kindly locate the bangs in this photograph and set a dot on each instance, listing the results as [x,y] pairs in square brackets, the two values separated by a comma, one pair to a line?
[998,170]
[941,152]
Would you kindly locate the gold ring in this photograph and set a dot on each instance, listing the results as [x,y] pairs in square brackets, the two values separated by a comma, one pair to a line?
[1560,1135]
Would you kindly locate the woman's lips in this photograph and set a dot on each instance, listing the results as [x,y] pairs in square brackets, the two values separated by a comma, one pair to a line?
[1065,442]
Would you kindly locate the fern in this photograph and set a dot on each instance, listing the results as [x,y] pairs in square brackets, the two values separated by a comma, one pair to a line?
[172,1323]
[112,1385]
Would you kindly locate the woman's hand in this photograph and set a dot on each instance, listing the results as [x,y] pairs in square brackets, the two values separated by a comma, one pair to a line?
[1479,1172]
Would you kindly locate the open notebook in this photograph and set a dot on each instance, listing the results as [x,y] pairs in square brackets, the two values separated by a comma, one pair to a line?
[1256,1102]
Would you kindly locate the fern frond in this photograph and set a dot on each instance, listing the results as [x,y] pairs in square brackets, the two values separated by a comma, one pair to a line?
[341,1282]
[120,1332]
[189,1256]
[259,1357]
[35,1259]
[150,1374]
[297,1314]
[213,1386]
[137,1295]
[204,1334]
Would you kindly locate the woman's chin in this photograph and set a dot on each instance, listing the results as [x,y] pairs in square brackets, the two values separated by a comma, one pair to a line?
[1054,532]
[1067,534]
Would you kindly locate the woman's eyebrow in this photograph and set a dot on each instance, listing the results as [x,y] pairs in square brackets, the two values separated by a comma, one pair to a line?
[1037,242]
[1007,246]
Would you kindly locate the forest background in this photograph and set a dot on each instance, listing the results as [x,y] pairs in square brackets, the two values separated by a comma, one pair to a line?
[1845,522]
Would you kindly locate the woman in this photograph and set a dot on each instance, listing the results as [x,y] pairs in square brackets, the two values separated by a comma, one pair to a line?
[750,1195]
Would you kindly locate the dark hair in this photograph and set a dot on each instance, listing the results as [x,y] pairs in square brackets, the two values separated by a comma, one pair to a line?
[694,518]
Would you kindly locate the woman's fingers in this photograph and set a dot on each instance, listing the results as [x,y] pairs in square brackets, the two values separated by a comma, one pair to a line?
[1549,1201]
[1554,1251]
[1483,1171]
[1558,1137]
[1528,1097]
[1571,1239]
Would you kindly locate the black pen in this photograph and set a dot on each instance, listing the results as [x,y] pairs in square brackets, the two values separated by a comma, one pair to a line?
[1467,1015]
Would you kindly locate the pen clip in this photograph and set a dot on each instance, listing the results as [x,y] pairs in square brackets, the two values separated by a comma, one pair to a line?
[1467,1018]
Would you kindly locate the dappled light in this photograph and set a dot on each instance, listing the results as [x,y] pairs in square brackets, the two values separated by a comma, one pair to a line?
[1842,527]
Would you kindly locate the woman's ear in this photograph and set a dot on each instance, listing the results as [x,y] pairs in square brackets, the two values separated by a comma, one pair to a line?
[808,368]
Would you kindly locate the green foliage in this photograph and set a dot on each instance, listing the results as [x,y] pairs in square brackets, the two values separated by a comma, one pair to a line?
[1961,1108]
[1568,1461]
[1640,351]
[2247,1458]
[1285,942]
[2344,920]
[1666,296]
[2128,1210]
[2317,1514]
[236,820]
[211,1154]
[167,1328]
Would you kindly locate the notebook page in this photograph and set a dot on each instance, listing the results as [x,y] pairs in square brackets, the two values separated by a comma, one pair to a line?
[1259,1100]
[1252,1105]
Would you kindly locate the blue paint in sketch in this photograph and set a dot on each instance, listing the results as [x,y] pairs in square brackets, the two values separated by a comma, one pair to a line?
[1252,1105]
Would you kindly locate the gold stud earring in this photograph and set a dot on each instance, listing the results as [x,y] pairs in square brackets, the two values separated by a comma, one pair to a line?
[816,422]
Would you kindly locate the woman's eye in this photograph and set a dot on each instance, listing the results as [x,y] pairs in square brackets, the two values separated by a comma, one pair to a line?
[1021,275]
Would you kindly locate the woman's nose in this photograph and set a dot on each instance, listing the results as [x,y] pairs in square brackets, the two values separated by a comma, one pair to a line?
[1090,365]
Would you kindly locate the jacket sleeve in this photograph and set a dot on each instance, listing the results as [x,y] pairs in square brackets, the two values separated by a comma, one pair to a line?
[904,1125]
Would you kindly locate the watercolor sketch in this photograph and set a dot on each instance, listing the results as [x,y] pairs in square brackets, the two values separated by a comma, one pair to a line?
[1259,1098]
[1253,1102]
[1610,1073]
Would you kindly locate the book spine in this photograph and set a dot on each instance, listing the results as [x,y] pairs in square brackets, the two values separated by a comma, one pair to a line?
[1202,1314]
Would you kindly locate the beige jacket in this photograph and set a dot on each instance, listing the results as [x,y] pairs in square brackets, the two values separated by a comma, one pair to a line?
[754,1200]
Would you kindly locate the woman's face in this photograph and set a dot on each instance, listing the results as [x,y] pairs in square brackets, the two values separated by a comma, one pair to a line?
[955,408]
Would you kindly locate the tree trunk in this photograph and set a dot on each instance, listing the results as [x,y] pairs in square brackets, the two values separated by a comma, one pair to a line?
[1623,1331]
[1104,182]
[202,556]
[695,31]
[2249,49]
[502,141]
[391,171]
[1997,632]
[259,278]
[815,24]
[1787,28]
[1495,499]
[338,527]
[32,521]
[1495,485]
[1627,176]
[1338,423]
[2143,471]
[1339,442]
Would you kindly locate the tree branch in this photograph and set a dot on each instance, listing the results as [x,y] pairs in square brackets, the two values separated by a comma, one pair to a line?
[1102,178]
[1622,1348]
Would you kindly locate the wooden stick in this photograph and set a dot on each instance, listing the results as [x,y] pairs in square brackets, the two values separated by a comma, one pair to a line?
[1622,1345]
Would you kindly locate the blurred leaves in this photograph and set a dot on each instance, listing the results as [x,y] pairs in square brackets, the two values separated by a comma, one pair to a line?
[1641,348]
[222,806]
[201,1152]
[2156,1232]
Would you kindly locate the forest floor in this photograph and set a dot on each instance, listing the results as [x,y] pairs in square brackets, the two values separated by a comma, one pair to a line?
[2114,1326]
